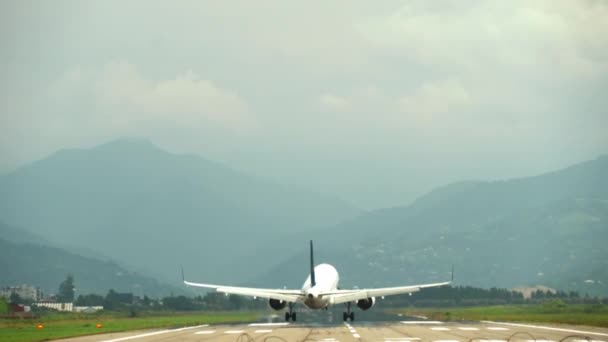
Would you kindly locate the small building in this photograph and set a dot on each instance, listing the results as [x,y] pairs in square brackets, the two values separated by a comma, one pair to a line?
[55,306]
[24,291]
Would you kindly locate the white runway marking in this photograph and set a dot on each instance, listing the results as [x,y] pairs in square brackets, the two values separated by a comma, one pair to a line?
[263,331]
[446,341]
[268,324]
[548,328]
[356,336]
[154,333]
[329,339]
[540,341]
[401,339]
[468,328]
[492,341]
[421,322]
[497,328]
[234,331]
[440,328]
[204,332]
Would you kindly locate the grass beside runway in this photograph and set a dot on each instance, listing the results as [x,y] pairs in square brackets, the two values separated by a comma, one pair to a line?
[577,314]
[64,325]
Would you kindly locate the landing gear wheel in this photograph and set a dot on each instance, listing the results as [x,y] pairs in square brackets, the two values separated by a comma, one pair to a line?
[293,317]
[345,316]
[287,317]
[352,316]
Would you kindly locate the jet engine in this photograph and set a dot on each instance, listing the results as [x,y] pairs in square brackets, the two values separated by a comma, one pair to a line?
[277,304]
[367,303]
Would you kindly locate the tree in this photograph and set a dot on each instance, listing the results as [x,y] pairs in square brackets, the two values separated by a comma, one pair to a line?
[89,300]
[66,290]
[15,298]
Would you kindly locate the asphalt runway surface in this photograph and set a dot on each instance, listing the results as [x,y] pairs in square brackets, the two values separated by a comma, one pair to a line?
[395,331]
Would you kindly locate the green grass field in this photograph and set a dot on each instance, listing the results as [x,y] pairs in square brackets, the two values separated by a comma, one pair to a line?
[577,314]
[68,325]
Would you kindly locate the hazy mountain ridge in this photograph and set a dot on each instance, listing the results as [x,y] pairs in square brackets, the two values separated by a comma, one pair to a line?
[548,229]
[29,259]
[155,210]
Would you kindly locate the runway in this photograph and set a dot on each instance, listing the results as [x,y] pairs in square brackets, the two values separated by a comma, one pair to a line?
[400,331]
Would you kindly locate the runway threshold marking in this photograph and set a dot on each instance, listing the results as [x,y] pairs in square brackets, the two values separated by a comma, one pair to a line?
[204,332]
[268,324]
[547,328]
[421,322]
[234,331]
[154,333]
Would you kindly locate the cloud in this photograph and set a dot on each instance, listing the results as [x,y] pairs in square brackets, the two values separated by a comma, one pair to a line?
[528,36]
[333,102]
[128,97]
[433,98]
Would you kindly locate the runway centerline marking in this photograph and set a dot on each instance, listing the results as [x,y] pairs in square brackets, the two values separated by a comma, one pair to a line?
[263,331]
[547,328]
[492,341]
[446,341]
[440,328]
[234,331]
[497,328]
[468,328]
[154,333]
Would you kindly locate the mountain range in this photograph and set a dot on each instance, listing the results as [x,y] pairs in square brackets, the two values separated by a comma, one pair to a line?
[549,229]
[149,211]
[152,210]
[30,259]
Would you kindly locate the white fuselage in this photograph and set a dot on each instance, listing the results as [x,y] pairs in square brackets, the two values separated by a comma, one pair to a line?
[326,280]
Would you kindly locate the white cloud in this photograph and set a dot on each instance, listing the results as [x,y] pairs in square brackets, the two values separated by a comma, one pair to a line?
[334,103]
[433,98]
[186,99]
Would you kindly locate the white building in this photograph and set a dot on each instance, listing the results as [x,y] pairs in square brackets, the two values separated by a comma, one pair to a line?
[56,306]
[24,291]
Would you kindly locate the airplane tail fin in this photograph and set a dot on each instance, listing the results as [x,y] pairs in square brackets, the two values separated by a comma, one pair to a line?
[312,267]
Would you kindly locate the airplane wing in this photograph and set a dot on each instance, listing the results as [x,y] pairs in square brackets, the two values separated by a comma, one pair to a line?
[343,296]
[291,296]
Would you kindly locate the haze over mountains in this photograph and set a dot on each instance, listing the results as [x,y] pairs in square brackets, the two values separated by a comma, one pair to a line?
[30,259]
[150,211]
[154,210]
[549,229]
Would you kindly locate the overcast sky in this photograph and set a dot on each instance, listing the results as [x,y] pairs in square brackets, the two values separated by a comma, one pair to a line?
[376,101]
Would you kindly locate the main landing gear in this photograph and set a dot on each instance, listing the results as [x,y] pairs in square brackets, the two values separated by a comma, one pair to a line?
[290,314]
[348,313]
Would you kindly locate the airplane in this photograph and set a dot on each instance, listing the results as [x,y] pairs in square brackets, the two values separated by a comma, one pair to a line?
[320,290]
